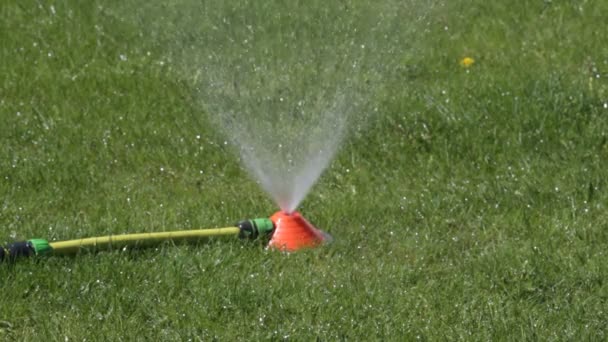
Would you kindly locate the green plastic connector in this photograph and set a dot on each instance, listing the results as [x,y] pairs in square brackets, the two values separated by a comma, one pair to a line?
[41,246]
[265,226]
[252,229]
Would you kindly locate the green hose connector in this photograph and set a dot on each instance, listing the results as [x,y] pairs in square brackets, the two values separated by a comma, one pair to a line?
[251,229]
[41,246]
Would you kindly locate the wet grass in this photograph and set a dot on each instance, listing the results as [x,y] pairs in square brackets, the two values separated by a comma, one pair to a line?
[473,207]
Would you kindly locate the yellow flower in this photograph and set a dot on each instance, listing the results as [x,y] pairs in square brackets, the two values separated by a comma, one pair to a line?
[466,62]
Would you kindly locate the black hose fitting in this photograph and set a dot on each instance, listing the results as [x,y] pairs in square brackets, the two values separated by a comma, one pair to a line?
[16,250]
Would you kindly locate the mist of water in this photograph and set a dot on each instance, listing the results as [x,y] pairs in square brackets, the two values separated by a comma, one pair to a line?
[288,84]
[287,156]
[285,81]
[286,137]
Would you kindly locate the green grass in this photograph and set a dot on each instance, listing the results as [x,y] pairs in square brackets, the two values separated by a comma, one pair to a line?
[472,207]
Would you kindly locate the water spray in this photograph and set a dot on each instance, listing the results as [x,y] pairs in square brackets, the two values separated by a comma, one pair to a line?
[287,232]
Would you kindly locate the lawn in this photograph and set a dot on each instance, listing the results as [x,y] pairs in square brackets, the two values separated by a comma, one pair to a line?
[469,203]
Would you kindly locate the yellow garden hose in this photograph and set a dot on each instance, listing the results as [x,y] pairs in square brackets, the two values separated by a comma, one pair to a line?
[250,229]
[139,239]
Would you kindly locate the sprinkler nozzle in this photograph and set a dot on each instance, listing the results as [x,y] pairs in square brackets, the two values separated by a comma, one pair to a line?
[251,229]
[293,232]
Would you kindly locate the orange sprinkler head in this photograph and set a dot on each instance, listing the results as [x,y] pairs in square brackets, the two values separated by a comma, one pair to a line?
[293,232]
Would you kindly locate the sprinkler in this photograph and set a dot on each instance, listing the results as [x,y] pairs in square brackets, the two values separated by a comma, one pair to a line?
[293,232]
[287,231]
